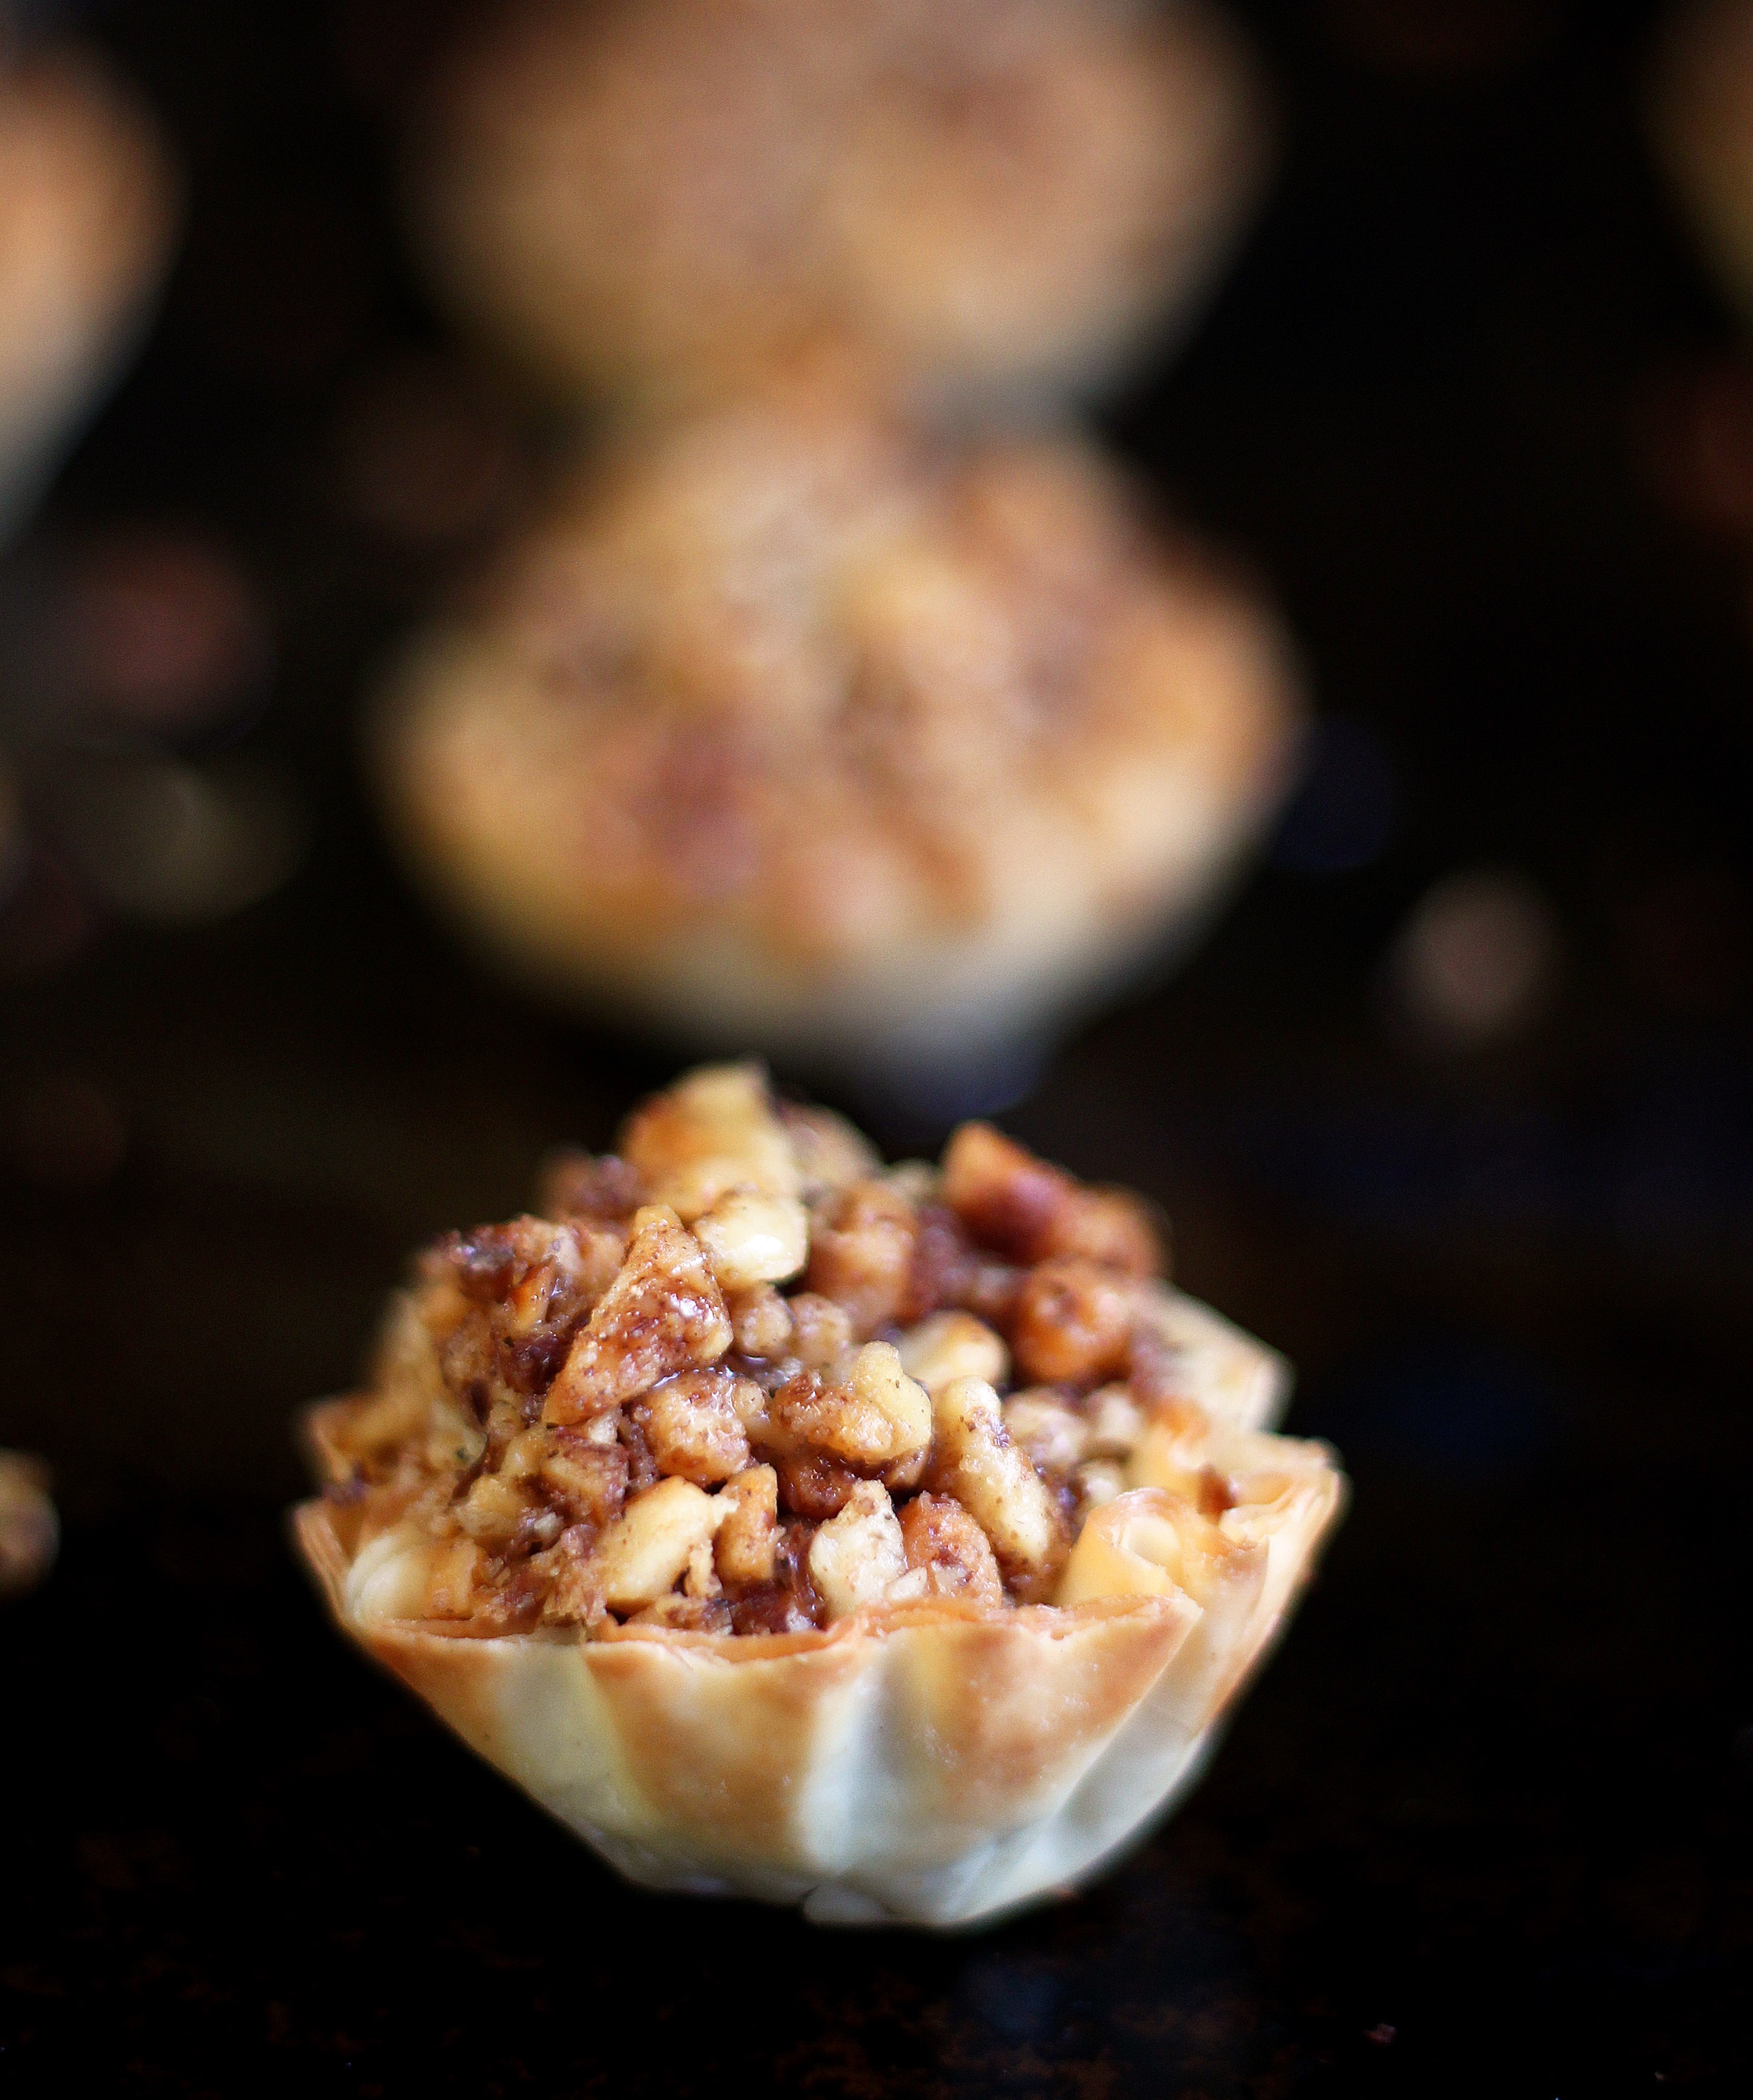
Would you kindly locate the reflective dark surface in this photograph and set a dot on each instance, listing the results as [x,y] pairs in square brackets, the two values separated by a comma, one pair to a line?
[1484,1824]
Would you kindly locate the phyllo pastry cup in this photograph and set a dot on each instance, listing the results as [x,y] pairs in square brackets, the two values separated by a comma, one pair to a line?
[656,200]
[887,1540]
[801,729]
[88,208]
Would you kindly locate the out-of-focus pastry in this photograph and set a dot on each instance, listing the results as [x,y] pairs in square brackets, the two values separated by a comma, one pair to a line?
[30,1532]
[887,1540]
[1702,120]
[796,729]
[88,206]
[655,199]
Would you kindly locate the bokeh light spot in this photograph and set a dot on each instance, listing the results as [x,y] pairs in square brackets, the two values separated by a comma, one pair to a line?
[1477,963]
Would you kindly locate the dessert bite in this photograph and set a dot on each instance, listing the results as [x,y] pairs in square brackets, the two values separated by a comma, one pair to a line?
[802,729]
[655,200]
[888,1539]
[88,209]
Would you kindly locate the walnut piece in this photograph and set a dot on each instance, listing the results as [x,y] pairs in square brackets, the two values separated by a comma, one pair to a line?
[973,1459]
[1055,1436]
[1116,1422]
[953,1345]
[1021,1206]
[760,1322]
[1072,1323]
[857,1555]
[752,1238]
[871,1415]
[861,1253]
[944,1541]
[588,1482]
[748,1532]
[713,1131]
[647,1549]
[821,1330]
[829,1152]
[578,1185]
[663,1313]
[692,1425]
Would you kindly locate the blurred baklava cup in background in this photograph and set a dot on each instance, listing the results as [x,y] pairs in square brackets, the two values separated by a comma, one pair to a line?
[88,209]
[890,1541]
[652,200]
[796,729]
[1701,122]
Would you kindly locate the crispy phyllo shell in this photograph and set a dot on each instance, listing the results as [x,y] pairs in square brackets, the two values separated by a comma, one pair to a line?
[800,1594]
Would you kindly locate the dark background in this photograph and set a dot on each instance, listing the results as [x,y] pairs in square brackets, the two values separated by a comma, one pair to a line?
[1469,406]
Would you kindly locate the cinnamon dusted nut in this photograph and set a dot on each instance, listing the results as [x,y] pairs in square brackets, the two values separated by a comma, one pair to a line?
[694,1426]
[1054,1431]
[1023,1207]
[868,1415]
[663,1313]
[821,1329]
[973,1459]
[953,1345]
[715,1133]
[751,1238]
[857,1557]
[747,1541]
[658,198]
[649,1547]
[760,1322]
[943,1541]
[800,726]
[587,1484]
[861,1626]
[830,1153]
[1072,1323]
[861,1253]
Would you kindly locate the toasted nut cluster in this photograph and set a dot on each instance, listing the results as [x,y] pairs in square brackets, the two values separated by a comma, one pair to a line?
[743,1378]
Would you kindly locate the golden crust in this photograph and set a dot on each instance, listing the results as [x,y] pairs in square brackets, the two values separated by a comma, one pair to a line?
[662,200]
[802,729]
[931,1762]
[88,206]
[859,1765]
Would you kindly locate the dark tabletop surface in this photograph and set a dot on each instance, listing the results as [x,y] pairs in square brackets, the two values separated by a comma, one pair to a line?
[1482,1827]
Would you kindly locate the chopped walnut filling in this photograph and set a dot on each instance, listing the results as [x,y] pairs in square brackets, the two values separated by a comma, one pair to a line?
[746,1379]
